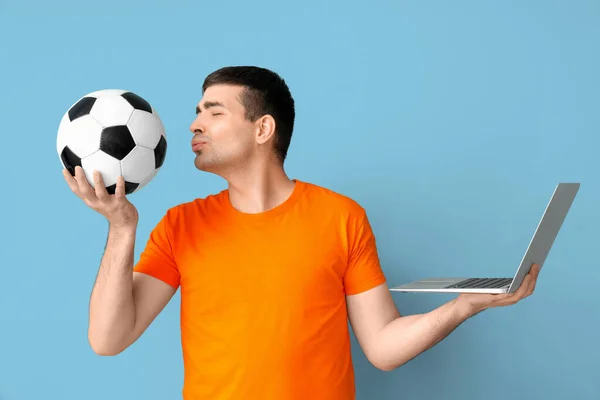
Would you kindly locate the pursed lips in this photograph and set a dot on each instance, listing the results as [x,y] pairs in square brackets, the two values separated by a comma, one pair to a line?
[197,144]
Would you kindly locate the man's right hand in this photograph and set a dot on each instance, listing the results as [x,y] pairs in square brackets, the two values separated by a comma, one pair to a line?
[117,209]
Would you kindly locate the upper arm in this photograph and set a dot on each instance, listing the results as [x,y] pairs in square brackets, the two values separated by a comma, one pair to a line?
[368,299]
[150,296]
[156,276]
[369,312]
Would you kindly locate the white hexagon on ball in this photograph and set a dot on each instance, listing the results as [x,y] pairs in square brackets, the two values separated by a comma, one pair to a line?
[138,164]
[145,128]
[82,136]
[109,168]
[111,111]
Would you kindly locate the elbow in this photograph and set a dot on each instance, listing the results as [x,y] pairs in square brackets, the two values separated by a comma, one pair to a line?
[104,347]
[383,366]
[106,352]
[383,362]
[102,350]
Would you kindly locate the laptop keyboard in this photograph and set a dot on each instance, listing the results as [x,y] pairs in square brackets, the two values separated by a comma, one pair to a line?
[478,283]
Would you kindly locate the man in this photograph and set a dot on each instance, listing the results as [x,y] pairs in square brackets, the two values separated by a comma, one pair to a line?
[270,270]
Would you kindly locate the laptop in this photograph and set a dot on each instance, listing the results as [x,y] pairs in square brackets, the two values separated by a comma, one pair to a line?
[536,253]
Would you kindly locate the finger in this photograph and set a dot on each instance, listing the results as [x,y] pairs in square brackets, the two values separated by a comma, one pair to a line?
[535,268]
[85,189]
[531,281]
[531,278]
[70,181]
[99,187]
[534,279]
[524,288]
[120,189]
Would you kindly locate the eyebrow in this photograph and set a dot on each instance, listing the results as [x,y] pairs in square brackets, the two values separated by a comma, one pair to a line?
[208,105]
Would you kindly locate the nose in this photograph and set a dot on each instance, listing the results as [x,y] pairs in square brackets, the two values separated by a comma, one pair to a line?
[197,127]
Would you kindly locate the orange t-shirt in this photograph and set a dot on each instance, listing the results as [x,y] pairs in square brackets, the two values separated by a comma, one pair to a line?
[263,310]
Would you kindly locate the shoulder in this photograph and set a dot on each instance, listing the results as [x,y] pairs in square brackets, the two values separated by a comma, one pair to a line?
[339,213]
[330,201]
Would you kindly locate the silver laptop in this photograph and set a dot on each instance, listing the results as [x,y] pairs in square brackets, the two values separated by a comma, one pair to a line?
[536,253]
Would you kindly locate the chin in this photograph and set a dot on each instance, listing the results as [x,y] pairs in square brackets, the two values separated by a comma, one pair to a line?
[200,164]
[204,164]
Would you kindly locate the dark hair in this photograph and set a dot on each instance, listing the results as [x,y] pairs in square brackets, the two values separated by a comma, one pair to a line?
[265,92]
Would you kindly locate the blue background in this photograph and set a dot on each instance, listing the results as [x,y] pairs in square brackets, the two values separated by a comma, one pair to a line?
[450,122]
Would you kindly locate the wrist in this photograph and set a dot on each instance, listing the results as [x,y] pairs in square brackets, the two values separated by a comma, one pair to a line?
[465,309]
[122,230]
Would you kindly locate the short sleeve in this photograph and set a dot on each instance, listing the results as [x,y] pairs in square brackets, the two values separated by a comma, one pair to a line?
[363,271]
[157,259]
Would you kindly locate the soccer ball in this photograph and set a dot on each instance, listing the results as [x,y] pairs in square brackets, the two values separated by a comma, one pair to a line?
[115,132]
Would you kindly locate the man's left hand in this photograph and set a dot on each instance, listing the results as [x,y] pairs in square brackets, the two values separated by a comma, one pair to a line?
[477,302]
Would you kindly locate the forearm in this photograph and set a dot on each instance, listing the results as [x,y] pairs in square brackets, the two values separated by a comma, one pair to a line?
[408,336]
[112,308]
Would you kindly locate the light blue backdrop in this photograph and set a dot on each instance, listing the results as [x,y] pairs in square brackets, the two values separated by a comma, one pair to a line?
[451,122]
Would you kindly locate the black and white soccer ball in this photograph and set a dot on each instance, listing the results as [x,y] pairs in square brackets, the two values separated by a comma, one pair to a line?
[115,132]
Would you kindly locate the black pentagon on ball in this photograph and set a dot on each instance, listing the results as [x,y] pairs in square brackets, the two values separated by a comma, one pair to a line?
[81,108]
[160,151]
[70,160]
[137,102]
[129,187]
[116,141]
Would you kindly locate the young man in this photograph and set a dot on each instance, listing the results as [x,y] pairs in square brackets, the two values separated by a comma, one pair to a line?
[270,270]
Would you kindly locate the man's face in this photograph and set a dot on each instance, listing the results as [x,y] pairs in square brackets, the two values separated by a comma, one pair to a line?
[223,139]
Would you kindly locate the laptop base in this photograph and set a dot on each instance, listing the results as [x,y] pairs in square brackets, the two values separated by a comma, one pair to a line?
[457,285]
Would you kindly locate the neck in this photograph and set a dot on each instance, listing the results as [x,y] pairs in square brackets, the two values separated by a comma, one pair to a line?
[259,187]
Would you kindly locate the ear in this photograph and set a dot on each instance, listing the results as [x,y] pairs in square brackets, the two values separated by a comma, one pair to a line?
[265,129]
